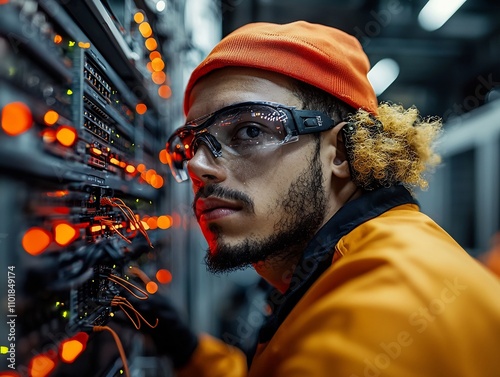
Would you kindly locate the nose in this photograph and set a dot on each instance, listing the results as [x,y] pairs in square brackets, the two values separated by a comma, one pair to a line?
[204,168]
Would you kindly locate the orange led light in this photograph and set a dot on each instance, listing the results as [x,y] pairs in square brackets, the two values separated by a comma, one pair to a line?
[157,181]
[51,117]
[123,164]
[145,224]
[164,91]
[130,169]
[114,161]
[49,135]
[163,156]
[16,118]
[152,287]
[42,365]
[152,222]
[163,276]
[65,233]
[151,44]
[36,240]
[149,175]
[158,64]
[71,348]
[164,222]
[57,39]
[138,17]
[154,55]
[84,45]
[158,77]
[141,168]
[145,30]
[141,108]
[96,151]
[66,135]
[149,67]
[95,228]
[58,193]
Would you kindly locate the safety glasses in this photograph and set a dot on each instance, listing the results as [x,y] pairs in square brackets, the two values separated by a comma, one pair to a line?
[241,130]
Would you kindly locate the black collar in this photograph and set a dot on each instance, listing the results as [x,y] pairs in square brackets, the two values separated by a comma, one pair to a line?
[318,254]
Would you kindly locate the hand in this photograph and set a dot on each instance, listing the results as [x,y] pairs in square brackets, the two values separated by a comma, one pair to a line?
[171,336]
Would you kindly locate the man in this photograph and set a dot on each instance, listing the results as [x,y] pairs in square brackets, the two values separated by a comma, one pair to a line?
[298,172]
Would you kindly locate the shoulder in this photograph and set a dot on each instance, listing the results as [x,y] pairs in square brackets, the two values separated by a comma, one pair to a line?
[403,294]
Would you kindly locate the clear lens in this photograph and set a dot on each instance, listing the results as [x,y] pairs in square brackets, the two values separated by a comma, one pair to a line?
[239,131]
[251,128]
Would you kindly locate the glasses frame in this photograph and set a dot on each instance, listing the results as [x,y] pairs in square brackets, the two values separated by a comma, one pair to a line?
[299,122]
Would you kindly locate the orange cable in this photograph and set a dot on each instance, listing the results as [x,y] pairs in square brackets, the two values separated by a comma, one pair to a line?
[129,214]
[123,303]
[140,274]
[111,226]
[121,281]
[118,345]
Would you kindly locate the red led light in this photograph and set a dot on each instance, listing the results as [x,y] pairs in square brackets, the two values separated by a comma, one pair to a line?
[141,108]
[154,55]
[163,276]
[36,240]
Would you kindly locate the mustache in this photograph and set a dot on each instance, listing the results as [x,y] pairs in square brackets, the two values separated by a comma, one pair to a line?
[217,191]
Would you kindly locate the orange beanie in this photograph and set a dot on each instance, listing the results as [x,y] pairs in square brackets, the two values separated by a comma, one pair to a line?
[319,55]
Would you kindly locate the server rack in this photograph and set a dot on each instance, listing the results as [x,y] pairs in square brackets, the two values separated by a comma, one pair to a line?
[85,209]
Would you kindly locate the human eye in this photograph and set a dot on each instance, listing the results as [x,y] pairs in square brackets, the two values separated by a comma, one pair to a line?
[248,132]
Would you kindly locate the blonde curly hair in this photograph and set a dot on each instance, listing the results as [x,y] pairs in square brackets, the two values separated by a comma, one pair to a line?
[394,147]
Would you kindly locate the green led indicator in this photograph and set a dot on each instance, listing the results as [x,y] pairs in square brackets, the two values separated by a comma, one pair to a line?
[69,92]
[65,314]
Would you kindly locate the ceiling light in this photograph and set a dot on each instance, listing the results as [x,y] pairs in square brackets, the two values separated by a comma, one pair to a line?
[436,12]
[383,74]
[160,6]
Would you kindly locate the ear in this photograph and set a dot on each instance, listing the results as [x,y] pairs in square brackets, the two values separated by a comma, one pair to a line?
[337,154]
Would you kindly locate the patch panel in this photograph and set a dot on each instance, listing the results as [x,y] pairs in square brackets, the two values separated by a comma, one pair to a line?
[71,144]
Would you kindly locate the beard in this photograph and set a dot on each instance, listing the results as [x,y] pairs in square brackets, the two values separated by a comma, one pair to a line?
[303,210]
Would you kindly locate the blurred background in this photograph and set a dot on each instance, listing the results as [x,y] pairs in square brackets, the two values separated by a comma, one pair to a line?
[89,92]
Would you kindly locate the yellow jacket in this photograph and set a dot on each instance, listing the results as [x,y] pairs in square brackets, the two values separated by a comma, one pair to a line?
[401,298]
